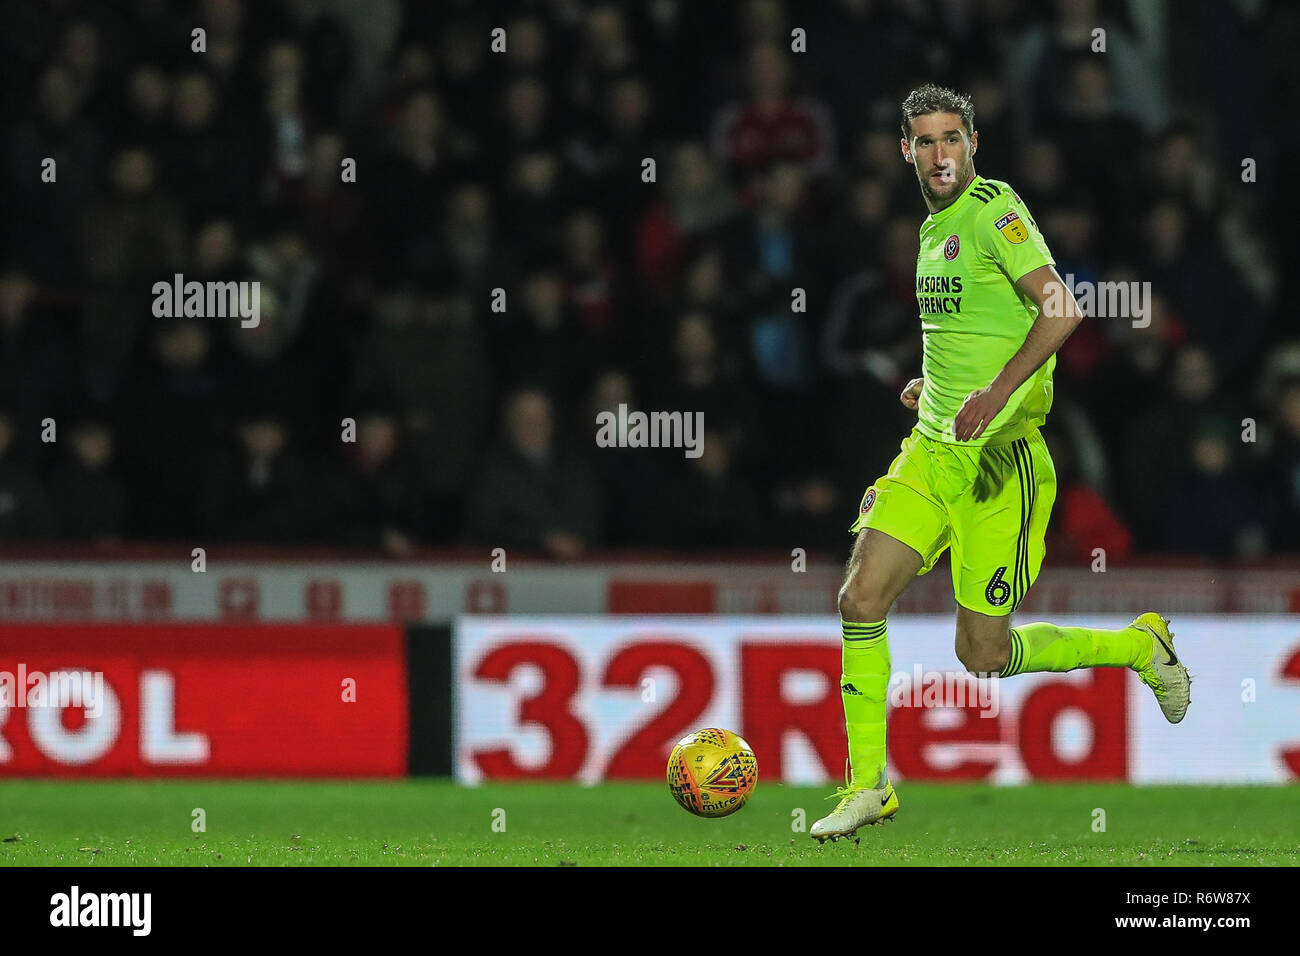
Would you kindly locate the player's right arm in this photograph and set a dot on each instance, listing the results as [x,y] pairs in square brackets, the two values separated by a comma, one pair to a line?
[912,393]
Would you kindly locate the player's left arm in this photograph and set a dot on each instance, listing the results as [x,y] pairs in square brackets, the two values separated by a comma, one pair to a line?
[1010,238]
[1058,316]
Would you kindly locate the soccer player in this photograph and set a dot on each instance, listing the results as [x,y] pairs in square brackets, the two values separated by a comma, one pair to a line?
[974,475]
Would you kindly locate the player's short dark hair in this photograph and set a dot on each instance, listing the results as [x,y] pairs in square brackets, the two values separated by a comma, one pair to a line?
[937,99]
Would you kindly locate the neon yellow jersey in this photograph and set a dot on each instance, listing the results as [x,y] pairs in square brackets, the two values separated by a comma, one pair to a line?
[973,316]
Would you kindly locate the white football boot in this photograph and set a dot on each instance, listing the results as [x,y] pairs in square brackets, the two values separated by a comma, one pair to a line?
[858,807]
[1165,675]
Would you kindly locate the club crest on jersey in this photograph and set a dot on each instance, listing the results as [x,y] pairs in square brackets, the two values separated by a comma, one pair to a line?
[868,500]
[1011,227]
[951,247]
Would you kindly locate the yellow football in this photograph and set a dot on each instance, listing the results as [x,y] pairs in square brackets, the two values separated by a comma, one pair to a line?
[712,772]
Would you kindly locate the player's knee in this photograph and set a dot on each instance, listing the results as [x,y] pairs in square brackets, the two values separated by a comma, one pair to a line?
[862,600]
[981,657]
[982,662]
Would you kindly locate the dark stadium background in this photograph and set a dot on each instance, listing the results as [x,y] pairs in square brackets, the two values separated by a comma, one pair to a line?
[521,171]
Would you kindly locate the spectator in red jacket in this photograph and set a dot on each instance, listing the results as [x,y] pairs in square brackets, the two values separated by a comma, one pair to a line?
[695,202]
[772,125]
[1083,520]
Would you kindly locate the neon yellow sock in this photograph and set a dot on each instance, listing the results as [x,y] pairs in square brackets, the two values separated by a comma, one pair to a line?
[863,687]
[1046,647]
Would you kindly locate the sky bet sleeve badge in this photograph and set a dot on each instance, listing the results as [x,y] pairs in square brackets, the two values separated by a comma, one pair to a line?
[1011,227]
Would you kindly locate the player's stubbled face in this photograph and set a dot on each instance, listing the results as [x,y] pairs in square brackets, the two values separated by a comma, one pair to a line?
[941,152]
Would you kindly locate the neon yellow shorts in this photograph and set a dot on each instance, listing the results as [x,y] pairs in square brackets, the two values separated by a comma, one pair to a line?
[989,503]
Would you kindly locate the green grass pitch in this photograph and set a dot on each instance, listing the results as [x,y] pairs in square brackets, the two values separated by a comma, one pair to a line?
[427,823]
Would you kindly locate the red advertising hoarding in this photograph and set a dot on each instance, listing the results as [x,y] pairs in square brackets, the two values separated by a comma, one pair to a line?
[205,700]
[598,698]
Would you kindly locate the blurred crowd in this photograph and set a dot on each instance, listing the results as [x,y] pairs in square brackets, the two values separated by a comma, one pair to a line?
[522,170]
